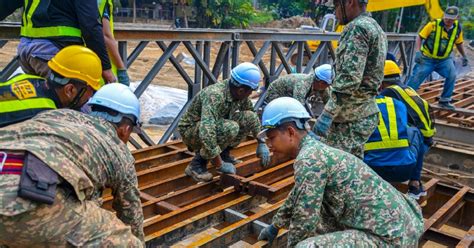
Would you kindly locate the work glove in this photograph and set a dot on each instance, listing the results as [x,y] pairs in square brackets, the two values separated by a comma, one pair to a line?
[122,77]
[464,61]
[323,123]
[269,233]
[418,57]
[263,153]
[227,168]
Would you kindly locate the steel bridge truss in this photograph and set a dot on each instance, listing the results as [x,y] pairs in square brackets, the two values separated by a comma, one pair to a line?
[276,46]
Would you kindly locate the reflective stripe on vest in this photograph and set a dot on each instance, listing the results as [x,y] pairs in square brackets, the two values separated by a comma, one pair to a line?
[102,4]
[427,131]
[389,137]
[437,41]
[24,104]
[28,30]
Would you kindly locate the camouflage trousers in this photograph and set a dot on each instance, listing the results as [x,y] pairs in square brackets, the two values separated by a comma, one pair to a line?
[229,132]
[347,238]
[351,136]
[67,222]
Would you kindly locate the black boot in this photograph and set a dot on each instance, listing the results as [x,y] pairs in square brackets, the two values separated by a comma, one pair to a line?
[226,157]
[197,169]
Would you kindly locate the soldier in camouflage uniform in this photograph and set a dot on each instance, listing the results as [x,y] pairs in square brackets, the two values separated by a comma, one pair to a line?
[337,200]
[351,114]
[81,155]
[301,86]
[217,120]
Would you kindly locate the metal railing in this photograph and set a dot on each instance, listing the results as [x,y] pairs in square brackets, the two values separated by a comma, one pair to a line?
[198,42]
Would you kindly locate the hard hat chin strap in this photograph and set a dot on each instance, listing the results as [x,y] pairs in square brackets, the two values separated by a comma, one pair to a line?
[77,98]
[343,10]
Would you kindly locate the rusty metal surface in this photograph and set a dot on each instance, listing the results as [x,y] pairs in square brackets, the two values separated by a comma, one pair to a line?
[180,212]
[463,100]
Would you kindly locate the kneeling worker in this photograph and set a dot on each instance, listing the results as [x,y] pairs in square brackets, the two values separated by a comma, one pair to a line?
[394,147]
[75,76]
[54,168]
[419,115]
[336,199]
[217,120]
[302,86]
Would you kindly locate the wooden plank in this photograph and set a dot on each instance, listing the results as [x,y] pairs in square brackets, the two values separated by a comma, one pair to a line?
[440,237]
[448,206]
[164,207]
[235,231]
[157,223]
[467,240]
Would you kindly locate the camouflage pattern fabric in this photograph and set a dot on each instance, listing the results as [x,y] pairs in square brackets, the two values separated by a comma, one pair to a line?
[87,153]
[360,59]
[351,136]
[295,85]
[68,222]
[229,133]
[213,117]
[335,190]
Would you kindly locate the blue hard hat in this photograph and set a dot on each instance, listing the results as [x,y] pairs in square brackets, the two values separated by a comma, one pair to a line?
[324,73]
[246,74]
[117,97]
[282,110]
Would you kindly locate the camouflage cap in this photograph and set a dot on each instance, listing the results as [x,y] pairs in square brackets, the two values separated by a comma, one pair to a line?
[451,12]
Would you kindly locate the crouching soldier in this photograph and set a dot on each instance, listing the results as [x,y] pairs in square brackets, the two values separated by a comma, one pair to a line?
[217,120]
[337,200]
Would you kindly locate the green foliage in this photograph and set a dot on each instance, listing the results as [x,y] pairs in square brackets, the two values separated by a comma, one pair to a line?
[225,13]
[262,16]
[286,8]
[467,21]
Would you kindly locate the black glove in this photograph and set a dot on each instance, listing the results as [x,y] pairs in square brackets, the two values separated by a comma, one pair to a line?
[269,233]
[464,61]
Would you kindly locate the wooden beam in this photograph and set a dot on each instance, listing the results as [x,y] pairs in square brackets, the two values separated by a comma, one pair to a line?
[448,206]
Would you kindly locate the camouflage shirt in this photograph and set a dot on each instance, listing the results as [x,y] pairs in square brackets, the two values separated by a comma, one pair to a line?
[211,104]
[87,153]
[296,85]
[334,187]
[360,59]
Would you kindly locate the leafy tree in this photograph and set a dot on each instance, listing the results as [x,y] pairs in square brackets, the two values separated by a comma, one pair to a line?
[224,13]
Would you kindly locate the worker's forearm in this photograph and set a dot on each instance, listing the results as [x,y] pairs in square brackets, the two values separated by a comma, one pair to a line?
[418,43]
[460,48]
[112,49]
[87,15]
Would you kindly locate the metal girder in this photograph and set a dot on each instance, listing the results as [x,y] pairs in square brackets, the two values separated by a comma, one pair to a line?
[176,64]
[156,68]
[300,56]
[9,69]
[254,52]
[283,58]
[314,57]
[221,56]
[197,57]
[136,52]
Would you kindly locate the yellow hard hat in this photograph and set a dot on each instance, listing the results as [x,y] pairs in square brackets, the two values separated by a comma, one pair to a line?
[78,62]
[391,68]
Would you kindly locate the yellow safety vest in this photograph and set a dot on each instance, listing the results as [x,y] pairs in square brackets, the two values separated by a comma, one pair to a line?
[28,29]
[420,106]
[102,4]
[384,138]
[432,47]
[19,94]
